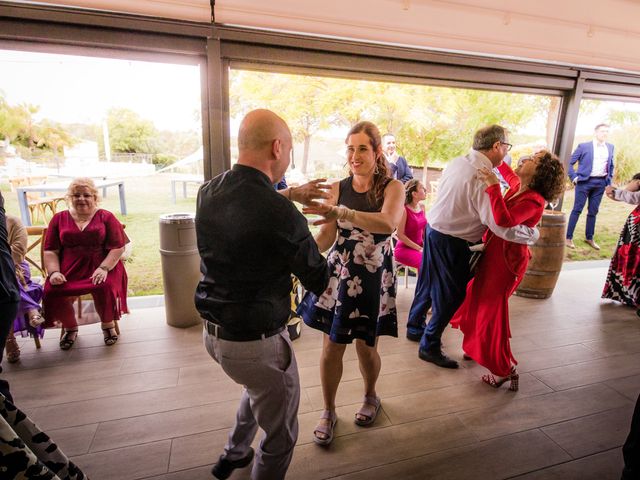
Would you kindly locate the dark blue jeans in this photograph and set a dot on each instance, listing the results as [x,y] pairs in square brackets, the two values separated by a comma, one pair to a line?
[422,298]
[445,263]
[592,190]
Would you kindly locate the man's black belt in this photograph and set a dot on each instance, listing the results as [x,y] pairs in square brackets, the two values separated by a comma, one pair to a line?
[223,334]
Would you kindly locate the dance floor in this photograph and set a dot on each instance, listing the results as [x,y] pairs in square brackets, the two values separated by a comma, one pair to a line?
[156,406]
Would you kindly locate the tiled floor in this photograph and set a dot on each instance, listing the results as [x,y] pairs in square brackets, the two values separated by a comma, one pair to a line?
[156,406]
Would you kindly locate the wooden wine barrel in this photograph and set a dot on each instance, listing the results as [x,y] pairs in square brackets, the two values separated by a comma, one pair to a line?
[547,256]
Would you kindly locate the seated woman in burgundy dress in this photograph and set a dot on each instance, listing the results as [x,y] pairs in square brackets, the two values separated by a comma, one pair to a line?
[408,250]
[484,315]
[82,253]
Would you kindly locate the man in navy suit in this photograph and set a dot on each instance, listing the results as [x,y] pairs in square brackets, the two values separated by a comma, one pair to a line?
[398,166]
[595,171]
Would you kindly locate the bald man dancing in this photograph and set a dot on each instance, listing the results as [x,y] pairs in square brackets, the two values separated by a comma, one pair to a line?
[250,240]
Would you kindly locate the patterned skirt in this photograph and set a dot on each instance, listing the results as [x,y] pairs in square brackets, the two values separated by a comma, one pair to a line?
[360,301]
[623,279]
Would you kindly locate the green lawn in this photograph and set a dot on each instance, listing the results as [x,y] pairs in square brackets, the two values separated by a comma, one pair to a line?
[147,199]
[150,197]
[609,223]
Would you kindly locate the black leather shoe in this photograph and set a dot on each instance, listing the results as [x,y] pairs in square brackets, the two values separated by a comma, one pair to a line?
[438,358]
[414,337]
[224,468]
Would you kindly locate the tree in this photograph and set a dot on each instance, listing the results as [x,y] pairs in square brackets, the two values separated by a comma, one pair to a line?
[300,101]
[129,132]
[17,124]
[430,123]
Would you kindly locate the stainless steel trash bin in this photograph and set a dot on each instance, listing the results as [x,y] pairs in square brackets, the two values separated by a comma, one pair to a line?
[180,268]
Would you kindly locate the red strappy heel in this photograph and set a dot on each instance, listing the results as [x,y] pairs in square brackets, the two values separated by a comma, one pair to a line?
[513,378]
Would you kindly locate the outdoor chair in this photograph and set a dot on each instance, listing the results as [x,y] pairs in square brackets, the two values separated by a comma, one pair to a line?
[401,266]
[38,206]
[41,232]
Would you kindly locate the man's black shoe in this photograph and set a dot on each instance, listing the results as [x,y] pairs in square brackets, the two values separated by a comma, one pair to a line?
[224,468]
[414,337]
[438,358]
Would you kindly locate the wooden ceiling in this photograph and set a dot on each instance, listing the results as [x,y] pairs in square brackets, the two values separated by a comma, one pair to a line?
[604,33]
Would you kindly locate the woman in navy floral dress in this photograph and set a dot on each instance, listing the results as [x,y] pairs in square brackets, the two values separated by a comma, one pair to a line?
[359,303]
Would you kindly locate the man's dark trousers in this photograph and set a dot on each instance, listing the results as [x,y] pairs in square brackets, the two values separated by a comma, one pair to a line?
[422,298]
[591,190]
[445,261]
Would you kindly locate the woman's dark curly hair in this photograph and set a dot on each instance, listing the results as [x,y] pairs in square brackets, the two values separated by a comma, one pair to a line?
[381,174]
[548,180]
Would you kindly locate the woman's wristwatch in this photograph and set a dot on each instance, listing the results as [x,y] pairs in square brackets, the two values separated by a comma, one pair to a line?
[104,267]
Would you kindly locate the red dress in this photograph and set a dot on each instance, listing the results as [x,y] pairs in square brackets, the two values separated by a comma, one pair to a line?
[484,315]
[80,253]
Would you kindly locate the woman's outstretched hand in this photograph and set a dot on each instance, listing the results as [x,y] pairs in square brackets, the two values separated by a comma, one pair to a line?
[311,191]
[329,212]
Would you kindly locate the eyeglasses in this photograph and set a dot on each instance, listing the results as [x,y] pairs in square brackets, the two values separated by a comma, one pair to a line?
[509,146]
[84,195]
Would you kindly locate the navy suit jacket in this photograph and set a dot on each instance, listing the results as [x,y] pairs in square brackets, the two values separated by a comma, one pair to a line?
[402,167]
[584,156]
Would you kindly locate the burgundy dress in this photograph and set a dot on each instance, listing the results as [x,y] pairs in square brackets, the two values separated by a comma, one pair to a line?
[414,229]
[80,253]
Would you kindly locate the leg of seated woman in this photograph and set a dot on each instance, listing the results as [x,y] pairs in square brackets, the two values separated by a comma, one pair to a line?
[105,311]
[408,256]
[62,311]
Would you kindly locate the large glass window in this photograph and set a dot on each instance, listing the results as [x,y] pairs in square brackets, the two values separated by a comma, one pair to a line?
[63,116]
[624,134]
[432,124]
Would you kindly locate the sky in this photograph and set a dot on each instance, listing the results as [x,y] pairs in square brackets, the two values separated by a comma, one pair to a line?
[72,89]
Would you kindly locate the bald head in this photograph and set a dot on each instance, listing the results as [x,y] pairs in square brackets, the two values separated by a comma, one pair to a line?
[264,142]
[259,128]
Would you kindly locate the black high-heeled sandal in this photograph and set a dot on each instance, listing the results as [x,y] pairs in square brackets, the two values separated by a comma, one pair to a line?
[110,339]
[68,339]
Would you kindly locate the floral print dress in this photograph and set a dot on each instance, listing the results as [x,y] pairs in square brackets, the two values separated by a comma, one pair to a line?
[360,301]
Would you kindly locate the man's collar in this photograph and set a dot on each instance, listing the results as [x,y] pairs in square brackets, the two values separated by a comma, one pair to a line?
[481,157]
[247,170]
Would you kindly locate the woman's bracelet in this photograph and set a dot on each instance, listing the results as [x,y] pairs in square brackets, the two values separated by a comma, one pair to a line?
[104,267]
[51,273]
[289,192]
[343,213]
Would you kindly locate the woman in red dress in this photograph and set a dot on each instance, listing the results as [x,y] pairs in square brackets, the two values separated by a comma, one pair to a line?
[484,315]
[82,251]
